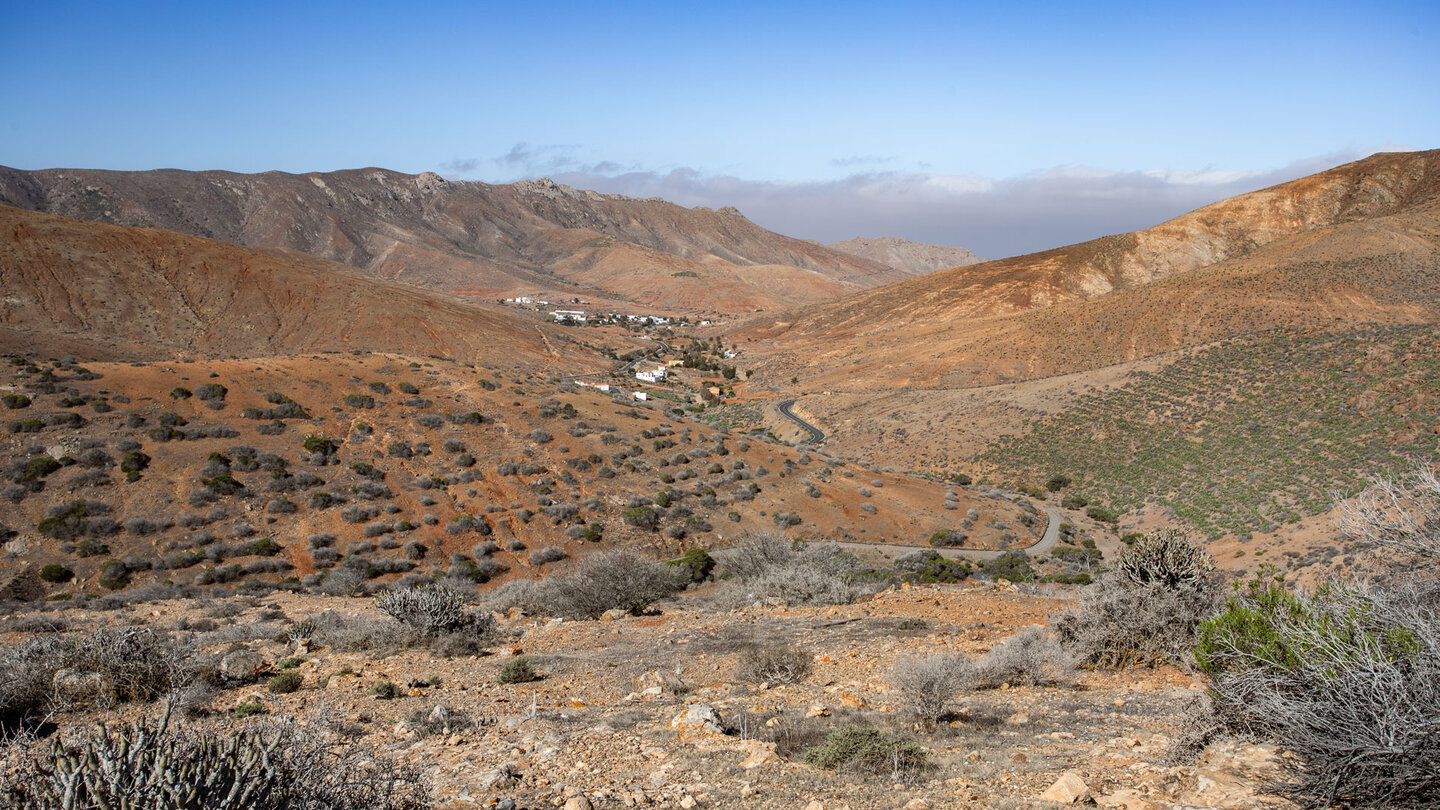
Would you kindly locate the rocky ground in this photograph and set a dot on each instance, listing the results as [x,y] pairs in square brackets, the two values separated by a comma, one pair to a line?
[655,710]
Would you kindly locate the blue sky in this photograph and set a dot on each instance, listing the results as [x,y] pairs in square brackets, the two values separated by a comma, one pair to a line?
[1003,127]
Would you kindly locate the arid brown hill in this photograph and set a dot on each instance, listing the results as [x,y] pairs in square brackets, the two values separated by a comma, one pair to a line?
[916,257]
[1356,242]
[1378,186]
[103,291]
[532,237]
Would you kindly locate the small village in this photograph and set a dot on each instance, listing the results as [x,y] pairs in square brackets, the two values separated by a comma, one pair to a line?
[580,317]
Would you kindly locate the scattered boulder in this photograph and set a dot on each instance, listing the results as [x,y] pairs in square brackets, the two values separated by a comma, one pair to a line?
[1068,789]
[760,754]
[241,665]
[698,721]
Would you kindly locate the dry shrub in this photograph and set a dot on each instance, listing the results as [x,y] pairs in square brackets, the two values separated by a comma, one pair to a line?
[430,610]
[769,568]
[1347,681]
[95,669]
[271,766]
[612,580]
[1031,657]
[926,685]
[774,664]
[1147,609]
[360,633]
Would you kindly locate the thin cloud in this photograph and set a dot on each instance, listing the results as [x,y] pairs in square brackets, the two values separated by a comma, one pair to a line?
[993,217]
[862,160]
[527,160]
[461,166]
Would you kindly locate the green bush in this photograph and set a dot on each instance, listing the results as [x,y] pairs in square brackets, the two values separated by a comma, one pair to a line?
[16,401]
[869,751]
[114,574]
[37,468]
[641,517]
[285,683]
[223,484]
[1057,482]
[927,566]
[946,538]
[320,444]
[385,690]
[133,461]
[516,670]
[211,391]
[698,563]
[55,572]
[1013,565]
[1103,514]
[264,547]
[76,518]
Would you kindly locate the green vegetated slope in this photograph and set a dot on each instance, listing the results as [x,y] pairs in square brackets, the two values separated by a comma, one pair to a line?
[1249,434]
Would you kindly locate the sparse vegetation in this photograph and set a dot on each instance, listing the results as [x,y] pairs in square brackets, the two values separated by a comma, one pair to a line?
[611,580]
[1266,463]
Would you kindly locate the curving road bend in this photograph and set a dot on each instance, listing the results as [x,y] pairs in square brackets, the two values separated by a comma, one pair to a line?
[1047,542]
[816,434]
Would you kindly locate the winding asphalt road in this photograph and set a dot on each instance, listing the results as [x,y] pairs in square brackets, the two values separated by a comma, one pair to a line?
[816,434]
[1047,542]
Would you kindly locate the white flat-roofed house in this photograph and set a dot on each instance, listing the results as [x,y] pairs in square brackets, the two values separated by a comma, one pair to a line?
[652,374]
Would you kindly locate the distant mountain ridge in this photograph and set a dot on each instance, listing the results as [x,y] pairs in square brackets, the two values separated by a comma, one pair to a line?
[915,257]
[470,238]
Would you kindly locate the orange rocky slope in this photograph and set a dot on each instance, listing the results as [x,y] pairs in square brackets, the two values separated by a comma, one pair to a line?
[102,291]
